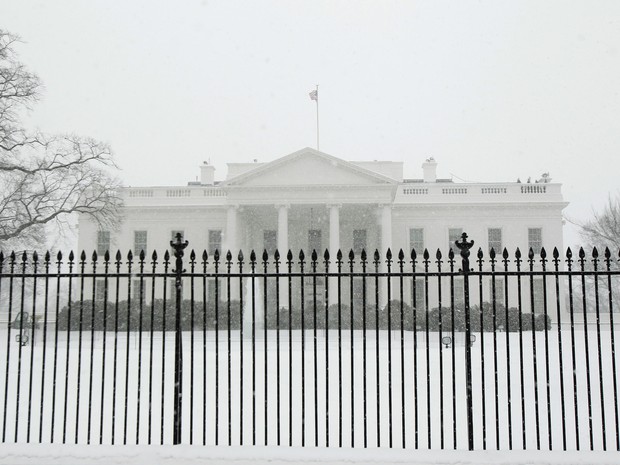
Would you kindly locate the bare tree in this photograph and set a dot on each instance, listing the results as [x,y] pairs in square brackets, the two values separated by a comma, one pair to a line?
[603,230]
[44,178]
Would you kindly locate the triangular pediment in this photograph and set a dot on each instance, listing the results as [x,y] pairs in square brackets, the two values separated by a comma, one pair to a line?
[309,167]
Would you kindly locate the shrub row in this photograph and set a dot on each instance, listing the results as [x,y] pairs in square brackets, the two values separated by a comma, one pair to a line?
[161,314]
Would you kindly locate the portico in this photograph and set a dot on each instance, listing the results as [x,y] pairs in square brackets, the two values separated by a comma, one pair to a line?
[307,191]
[307,227]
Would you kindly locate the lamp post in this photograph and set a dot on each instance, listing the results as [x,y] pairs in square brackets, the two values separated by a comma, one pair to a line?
[464,246]
[178,247]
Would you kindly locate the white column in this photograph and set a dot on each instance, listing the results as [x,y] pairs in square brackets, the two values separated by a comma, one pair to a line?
[230,243]
[283,249]
[230,237]
[334,230]
[385,212]
[334,245]
[386,228]
[283,230]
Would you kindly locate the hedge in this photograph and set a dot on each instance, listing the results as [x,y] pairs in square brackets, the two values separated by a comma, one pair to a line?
[80,315]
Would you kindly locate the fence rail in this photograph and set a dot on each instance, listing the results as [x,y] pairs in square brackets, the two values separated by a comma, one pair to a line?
[484,352]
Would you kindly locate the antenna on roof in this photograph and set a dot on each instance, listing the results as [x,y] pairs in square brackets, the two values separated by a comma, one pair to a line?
[460,179]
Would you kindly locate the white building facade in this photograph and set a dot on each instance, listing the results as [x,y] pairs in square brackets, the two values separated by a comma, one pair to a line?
[311,200]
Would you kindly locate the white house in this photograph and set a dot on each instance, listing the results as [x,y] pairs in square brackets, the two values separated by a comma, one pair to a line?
[312,200]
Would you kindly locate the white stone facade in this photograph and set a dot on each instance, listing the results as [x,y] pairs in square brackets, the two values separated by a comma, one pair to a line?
[310,199]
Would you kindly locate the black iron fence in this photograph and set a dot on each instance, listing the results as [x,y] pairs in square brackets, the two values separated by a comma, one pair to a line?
[481,352]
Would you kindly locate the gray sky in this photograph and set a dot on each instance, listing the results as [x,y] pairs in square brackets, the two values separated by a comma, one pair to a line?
[494,90]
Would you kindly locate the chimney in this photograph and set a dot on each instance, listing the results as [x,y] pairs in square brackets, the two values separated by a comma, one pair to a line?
[207,174]
[430,170]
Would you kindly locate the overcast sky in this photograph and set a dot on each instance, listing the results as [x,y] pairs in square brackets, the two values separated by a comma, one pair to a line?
[494,90]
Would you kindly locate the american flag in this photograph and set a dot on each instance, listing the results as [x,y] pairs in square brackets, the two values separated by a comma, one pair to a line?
[314,95]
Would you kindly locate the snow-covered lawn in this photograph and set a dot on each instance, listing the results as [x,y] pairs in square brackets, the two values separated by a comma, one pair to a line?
[390,395]
[12,454]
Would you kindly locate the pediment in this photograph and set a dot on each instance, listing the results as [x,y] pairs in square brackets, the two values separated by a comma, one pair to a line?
[309,167]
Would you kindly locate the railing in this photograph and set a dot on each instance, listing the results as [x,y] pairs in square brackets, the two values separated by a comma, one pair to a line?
[504,192]
[415,190]
[140,193]
[494,190]
[534,189]
[407,351]
[163,195]
[178,192]
[454,190]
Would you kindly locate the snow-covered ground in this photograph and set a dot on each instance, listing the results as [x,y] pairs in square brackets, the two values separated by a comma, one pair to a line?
[274,397]
[13,454]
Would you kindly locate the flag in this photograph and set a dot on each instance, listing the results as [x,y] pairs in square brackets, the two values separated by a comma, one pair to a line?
[314,95]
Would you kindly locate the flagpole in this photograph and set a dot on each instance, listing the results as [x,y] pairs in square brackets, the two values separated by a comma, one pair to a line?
[317,117]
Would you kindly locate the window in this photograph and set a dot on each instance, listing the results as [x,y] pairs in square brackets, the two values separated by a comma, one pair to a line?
[100,289]
[211,294]
[215,241]
[539,296]
[499,290]
[270,241]
[139,242]
[172,289]
[136,292]
[359,241]
[103,242]
[314,241]
[358,294]
[459,292]
[454,234]
[534,239]
[495,240]
[418,296]
[416,240]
